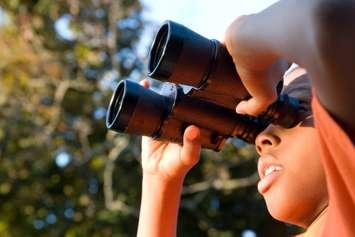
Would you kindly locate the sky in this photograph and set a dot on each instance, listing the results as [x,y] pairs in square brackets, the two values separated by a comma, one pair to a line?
[210,18]
[2,17]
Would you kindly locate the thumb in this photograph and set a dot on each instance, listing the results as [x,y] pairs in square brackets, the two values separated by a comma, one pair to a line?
[190,152]
[253,106]
[262,86]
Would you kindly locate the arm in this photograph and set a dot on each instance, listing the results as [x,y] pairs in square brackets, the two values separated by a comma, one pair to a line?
[165,166]
[319,35]
[159,207]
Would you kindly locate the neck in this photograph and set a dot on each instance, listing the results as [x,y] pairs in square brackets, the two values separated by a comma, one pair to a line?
[316,226]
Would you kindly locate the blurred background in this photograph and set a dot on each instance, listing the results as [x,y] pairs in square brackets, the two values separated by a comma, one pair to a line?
[61,172]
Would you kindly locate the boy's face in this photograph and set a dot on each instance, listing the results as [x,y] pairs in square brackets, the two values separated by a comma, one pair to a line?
[292,179]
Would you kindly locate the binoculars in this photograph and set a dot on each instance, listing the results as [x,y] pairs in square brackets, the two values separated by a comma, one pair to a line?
[200,87]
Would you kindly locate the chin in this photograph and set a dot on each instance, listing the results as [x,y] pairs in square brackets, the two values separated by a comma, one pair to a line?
[286,209]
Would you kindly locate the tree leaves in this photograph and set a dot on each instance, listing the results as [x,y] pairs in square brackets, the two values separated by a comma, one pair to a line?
[62,173]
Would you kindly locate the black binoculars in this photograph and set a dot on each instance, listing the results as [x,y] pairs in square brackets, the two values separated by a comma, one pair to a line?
[201,87]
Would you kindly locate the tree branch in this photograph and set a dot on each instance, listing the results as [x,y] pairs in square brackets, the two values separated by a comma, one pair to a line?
[112,204]
[219,184]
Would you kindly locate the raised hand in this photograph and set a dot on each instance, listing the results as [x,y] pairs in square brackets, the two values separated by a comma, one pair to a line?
[164,166]
[170,161]
[259,67]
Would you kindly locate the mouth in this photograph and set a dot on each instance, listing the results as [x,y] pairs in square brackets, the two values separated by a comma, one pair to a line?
[269,171]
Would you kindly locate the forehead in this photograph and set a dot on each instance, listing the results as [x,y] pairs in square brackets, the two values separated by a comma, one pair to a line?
[297,84]
[299,87]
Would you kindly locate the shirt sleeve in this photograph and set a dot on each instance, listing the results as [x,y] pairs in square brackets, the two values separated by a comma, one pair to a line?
[338,159]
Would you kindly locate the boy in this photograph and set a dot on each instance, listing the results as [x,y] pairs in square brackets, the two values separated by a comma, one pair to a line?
[308,172]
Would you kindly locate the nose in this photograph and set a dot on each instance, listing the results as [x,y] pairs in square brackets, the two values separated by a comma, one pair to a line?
[267,140]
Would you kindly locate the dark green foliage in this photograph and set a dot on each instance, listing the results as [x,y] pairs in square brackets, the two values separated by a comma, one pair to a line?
[53,95]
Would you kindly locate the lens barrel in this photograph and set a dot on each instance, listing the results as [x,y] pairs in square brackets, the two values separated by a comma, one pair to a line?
[137,110]
[165,115]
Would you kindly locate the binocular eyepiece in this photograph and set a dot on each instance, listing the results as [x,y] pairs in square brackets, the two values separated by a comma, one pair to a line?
[179,57]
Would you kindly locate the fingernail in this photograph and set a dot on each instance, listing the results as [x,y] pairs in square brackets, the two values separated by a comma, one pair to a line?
[240,109]
[193,134]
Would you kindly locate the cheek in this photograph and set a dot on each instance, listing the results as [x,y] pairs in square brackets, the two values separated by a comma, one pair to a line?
[296,197]
[301,190]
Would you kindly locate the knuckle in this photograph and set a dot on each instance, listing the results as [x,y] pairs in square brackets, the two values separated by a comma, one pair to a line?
[232,32]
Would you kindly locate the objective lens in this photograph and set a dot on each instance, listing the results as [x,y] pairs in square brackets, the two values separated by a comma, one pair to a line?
[159,47]
[121,108]
[116,104]
[137,110]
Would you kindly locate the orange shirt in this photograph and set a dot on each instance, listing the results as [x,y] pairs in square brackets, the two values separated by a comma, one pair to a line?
[338,158]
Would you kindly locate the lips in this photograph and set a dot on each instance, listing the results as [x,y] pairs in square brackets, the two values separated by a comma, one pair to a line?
[269,170]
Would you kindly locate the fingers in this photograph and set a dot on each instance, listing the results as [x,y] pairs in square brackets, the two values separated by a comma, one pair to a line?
[251,107]
[262,86]
[190,153]
[262,90]
[258,65]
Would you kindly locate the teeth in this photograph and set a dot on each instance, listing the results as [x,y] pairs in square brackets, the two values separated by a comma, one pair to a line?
[272,169]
